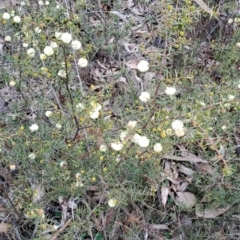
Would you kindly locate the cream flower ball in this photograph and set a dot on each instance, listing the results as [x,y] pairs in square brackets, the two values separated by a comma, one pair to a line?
[58,35]
[117,146]
[53,45]
[144,97]
[66,37]
[76,45]
[177,124]
[179,132]
[12,83]
[48,113]
[143,142]
[103,148]
[112,202]
[8,39]
[82,62]
[37,30]
[143,66]
[59,125]
[17,19]
[33,127]
[94,114]
[170,91]
[6,16]
[62,73]
[157,147]
[32,156]
[132,124]
[43,56]
[31,52]
[48,51]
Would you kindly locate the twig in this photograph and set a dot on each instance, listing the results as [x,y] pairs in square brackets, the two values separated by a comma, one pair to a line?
[58,232]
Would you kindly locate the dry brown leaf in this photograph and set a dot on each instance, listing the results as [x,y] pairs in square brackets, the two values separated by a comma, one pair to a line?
[211,213]
[164,195]
[167,168]
[190,156]
[186,198]
[185,170]
[205,168]
[4,227]
[158,227]
[183,186]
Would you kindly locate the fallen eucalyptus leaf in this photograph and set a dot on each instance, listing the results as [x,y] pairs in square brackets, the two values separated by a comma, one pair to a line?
[211,213]
[187,199]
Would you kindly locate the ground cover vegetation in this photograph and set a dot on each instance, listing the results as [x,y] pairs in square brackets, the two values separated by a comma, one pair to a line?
[119,119]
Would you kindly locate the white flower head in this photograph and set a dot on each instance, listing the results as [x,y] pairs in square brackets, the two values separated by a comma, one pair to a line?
[46,3]
[177,124]
[230,20]
[12,167]
[76,45]
[48,113]
[157,147]
[63,164]
[33,127]
[142,141]
[238,44]
[40,3]
[103,148]
[8,39]
[82,62]
[32,156]
[62,73]
[37,30]
[12,83]
[135,138]
[17,19]
[123,135]
[112,202]
[179,132]
[224,127]
[25,45]
[6,16]
[238,86]
[94,114]
[80,106]
[53,45]
[31,52]
[58,35]
[48,51]
[66,37]
[170,91]
[144,96]
[117,146]
[43,56]
[132,124]
[143,66]
[58,125]
[230,97]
